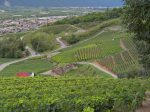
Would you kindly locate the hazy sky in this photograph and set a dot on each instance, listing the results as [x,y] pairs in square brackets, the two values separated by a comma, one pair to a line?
[63,3]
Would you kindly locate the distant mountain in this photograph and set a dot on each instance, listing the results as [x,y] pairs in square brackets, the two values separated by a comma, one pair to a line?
[64,3]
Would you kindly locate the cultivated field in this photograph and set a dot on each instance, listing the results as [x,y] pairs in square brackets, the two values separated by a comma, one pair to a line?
[36,65]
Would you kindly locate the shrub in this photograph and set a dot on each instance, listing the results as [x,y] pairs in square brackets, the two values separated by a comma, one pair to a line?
[42,42]
[12,48]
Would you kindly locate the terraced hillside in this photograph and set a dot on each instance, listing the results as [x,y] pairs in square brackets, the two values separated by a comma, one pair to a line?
[105,43]
[80,65]
[108,47]
[122,62]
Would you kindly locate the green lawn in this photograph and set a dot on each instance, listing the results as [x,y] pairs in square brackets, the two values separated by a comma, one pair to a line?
[4,60]
[32,65]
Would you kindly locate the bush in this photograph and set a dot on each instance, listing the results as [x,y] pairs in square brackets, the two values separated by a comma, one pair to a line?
[72,39]
[12,48]
[42,42]
[135,73]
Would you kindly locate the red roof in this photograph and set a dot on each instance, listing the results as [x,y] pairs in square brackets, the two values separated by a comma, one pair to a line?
[23,74]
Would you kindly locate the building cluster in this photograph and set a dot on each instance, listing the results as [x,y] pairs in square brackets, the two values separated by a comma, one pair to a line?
[25,24]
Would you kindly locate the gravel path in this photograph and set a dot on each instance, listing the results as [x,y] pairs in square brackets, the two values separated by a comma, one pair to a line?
[32,52]
[99,67]
[62,44]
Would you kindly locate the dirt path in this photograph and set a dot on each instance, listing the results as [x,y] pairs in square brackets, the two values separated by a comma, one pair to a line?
[62,44]
[122,45]
[75,27]
[145,107]
[99,68]
[32,52]
[92,37]
[79,30]
[115,28]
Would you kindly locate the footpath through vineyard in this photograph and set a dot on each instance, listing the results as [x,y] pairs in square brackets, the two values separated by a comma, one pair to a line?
[99,68]
[145,107]
[122,45]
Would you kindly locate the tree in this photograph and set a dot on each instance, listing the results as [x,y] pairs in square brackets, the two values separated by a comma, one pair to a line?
[42,42]
[137,19]
[12,48]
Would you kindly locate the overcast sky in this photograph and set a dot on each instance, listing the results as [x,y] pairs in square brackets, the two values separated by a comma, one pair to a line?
[63,3]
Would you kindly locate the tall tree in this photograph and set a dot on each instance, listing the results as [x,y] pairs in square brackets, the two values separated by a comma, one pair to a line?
[137,19]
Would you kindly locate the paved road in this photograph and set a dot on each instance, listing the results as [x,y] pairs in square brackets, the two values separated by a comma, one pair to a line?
[98,67]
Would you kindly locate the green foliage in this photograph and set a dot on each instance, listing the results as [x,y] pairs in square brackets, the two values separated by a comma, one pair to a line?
[88,109]
[69,94]
[44,39]
[12,48]
[137,17]
[57,29]
[91,17]
[92,31]
[72,39]
[42,42]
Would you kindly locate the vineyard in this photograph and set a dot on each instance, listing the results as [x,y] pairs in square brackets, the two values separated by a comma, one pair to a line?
[70,94]
[88,53]
[102,45]
[122,62]
[87,70]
